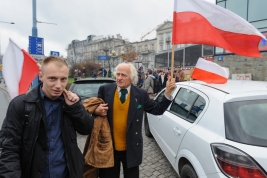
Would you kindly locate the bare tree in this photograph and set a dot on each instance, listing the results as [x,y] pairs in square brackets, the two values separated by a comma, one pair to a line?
[130,55]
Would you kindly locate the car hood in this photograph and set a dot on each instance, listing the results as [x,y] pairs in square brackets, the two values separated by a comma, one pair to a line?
[256,152]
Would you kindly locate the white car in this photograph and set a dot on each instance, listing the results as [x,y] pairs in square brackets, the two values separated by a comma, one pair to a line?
[214,130]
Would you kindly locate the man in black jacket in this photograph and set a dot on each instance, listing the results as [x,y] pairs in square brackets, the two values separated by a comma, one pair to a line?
[38,136]
[125,104]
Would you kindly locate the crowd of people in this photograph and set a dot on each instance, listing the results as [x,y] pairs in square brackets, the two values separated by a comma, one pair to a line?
[79,73]
[154,81]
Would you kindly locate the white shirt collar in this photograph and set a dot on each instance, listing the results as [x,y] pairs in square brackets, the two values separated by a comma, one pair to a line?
[128,89]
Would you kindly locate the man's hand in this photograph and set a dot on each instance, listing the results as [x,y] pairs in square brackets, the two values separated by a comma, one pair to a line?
[170,86]
[101,110]
[70,98]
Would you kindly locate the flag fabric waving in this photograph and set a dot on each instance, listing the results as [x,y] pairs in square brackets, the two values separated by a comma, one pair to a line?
[201,22]
[210,72]
[19,69]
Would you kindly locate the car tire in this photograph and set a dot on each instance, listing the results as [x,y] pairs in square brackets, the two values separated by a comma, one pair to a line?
[188,172]
[146,125]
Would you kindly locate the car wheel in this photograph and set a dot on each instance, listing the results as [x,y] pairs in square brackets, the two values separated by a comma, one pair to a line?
[146,125]
[188,172]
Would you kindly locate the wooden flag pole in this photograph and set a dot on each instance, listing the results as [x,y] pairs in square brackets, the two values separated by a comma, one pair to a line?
[172,63]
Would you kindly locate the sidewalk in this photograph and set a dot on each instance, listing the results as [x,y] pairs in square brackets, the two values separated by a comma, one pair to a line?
[3,87]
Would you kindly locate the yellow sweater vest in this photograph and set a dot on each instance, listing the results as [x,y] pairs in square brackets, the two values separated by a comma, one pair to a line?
[120,117]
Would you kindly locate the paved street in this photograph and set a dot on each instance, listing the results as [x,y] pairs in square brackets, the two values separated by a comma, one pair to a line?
[155,164]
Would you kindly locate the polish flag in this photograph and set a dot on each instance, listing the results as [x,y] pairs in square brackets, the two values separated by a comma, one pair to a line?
[19,69]
[201,22]
[210,72]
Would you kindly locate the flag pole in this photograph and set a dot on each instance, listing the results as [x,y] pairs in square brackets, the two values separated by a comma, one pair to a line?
[172,62]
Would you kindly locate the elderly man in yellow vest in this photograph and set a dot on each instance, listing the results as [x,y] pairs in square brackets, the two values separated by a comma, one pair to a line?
[125,104]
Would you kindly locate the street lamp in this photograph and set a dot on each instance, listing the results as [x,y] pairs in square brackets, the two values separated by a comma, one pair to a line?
[168,40]
[7,22]
[105,49]
[114,55]
[47,22]
[35,34]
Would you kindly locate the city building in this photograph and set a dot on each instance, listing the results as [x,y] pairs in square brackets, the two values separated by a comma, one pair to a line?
[92,47]
[185,55]
[252,11]
[246,67]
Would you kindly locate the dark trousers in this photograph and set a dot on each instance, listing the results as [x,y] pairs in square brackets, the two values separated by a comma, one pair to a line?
[114,172]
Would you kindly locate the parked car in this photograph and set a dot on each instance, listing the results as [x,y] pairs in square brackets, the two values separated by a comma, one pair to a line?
[214,130]
[88,87]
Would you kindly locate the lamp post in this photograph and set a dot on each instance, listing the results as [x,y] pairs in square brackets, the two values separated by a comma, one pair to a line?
[7,22]
[105,49]
[114,55]
[168,40]
[35,33]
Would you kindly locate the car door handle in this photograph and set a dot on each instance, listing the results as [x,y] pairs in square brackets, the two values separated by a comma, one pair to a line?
[159,118]
[177,131]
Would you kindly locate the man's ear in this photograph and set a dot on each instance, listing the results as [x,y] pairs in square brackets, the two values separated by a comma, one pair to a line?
[40,75]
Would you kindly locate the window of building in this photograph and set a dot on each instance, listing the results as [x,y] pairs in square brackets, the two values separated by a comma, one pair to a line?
[234,6]
[145,47]
[161,36]
[161,47]
[152,47]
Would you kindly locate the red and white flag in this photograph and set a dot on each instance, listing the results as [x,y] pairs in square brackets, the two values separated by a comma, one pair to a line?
[201,22]
[210,72]
[19,69]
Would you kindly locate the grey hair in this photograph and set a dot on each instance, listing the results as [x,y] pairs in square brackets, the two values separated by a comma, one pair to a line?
[133,72]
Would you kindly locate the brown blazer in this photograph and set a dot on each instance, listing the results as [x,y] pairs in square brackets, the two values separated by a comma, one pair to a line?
[98,149]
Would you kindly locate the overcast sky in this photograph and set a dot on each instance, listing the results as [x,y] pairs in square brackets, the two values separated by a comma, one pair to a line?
[76,19]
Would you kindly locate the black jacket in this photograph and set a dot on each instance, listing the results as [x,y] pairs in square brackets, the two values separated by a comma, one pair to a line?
[139,102]
[24,143]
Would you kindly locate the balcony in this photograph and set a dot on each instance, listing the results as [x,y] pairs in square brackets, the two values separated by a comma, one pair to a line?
[147,51]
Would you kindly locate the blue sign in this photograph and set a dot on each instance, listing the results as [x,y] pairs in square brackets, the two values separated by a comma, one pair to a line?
[220,58]
[36,45]
[54,53]
[103,57]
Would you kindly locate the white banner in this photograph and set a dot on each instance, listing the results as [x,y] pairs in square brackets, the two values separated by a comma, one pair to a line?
[241,76]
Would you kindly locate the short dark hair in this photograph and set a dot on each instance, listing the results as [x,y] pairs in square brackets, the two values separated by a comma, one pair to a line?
[149,71]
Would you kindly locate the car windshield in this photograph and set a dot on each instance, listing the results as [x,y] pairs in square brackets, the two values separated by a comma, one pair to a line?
[246,122]
[87,90]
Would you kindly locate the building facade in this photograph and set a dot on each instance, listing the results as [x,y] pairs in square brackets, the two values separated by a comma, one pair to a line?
[256,68]
[94,46]
[185,55]
[253,11]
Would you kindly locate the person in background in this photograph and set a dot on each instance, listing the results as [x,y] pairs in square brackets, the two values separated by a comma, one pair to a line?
[161,80]
[38,136]
[148,84]
[179,74]
[166,76]
[94,75]
[83,72]
[76,75]
[125,104]
[141,79]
